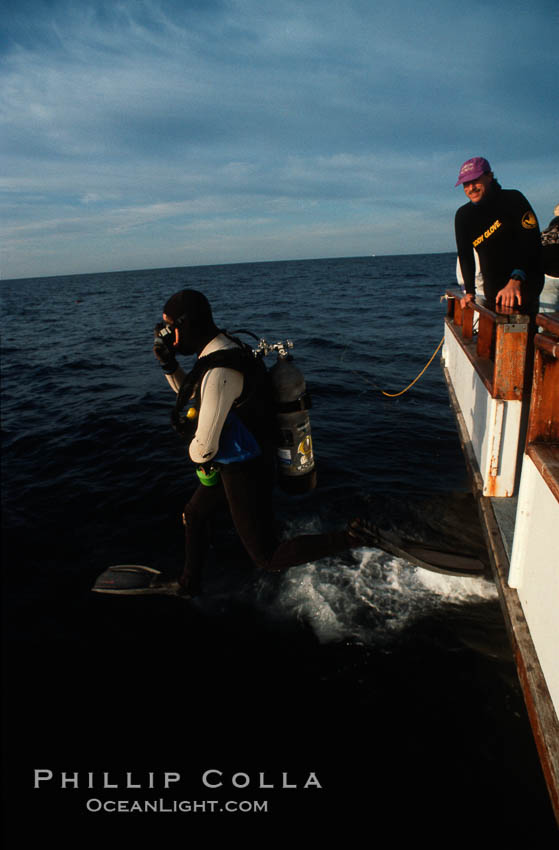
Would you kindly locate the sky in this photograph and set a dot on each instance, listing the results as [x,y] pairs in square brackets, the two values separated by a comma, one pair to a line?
[159,133]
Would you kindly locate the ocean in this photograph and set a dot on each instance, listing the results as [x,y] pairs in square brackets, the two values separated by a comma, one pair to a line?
[357,693]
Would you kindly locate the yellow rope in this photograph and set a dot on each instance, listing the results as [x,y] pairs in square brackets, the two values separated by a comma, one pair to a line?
[393,395]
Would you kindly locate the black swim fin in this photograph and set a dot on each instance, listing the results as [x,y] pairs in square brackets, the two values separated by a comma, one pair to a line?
[135,580]
[436,560]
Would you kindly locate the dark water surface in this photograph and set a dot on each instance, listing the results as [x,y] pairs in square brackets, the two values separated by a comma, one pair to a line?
[392,688]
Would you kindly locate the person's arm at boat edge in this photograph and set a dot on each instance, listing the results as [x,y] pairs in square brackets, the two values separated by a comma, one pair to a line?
[527,245]
[465,258]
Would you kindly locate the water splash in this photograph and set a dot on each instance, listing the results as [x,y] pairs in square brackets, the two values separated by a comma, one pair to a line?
[372,598]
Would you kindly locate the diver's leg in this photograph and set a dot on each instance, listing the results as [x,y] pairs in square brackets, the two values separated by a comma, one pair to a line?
[196,515]
[248,489]
[306,548]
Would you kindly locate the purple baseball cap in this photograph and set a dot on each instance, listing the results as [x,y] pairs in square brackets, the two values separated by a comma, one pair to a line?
[472,169]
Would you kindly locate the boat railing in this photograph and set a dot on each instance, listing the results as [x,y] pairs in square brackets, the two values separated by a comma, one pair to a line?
[534,562]
[484,356]
[502,372]
[495,342]
[542,438]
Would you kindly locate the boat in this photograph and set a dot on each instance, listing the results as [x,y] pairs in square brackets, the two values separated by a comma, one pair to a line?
[502,375]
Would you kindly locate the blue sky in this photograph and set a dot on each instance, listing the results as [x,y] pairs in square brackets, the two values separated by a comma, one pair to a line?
[156,133]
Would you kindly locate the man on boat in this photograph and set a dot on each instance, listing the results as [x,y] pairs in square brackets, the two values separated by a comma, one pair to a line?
[501,226]
[227,393]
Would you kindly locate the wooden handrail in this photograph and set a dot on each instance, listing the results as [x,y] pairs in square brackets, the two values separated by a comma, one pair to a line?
[543,422]
[503,315]
[499,350]
[549,322]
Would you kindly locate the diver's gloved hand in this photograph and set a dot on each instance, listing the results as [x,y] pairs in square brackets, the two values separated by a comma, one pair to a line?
[163,348]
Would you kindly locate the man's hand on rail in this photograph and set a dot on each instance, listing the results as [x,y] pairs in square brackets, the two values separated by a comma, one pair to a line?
[511,292]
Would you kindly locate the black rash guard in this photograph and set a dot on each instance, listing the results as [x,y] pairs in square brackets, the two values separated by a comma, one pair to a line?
[504,230]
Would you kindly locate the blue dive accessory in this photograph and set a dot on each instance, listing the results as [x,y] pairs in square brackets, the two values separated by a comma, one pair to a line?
[236,442]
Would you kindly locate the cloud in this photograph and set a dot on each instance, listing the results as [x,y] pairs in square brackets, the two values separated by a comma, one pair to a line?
[148,117]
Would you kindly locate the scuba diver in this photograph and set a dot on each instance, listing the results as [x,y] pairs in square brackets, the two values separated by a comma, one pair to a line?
[246,427]
[230,417]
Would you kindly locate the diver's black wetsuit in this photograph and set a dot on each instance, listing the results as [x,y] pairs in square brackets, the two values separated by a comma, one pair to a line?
[504,230]
[247,490]
[246,487]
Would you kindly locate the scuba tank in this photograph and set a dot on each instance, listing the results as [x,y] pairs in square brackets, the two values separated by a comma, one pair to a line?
[290,403]
[294,449]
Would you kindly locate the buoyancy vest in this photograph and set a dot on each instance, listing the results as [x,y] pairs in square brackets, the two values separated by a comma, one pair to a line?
[254,407]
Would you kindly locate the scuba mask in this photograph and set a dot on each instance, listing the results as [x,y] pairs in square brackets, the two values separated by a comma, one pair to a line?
[174,335]
[184,340]
[167,335]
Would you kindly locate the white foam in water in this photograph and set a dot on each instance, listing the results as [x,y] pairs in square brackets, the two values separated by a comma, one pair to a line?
[372,599]
[457,588]
[313,601]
